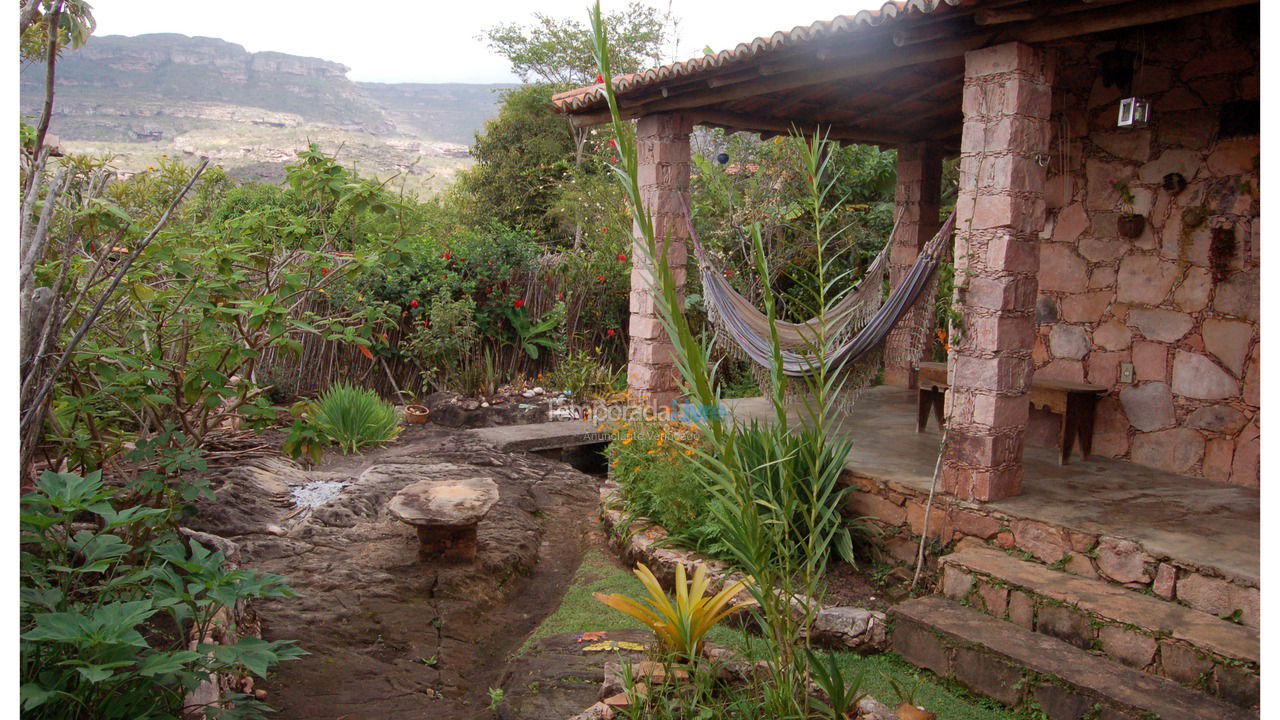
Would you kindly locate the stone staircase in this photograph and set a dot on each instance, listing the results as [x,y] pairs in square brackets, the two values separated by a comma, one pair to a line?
[1076,646]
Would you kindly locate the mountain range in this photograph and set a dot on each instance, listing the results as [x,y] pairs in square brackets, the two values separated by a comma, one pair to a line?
[136,98]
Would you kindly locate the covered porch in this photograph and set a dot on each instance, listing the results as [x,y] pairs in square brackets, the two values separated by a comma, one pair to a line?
[1024,93]
[1173,518]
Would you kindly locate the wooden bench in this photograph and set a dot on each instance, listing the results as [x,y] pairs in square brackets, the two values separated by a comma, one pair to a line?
[1074,401]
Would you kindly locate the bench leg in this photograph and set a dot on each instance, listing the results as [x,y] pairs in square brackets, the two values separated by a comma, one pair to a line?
[926,400]
[1077,422]
[1086,406]
[1067,434]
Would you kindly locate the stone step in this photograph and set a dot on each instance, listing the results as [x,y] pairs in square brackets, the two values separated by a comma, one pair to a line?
[1021,667]
[1146,633]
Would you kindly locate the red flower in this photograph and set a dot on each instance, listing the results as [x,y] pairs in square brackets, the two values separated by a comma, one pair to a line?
[610,332]
[604,230]
[324,271]
[426,323]
[599,78]
[448,256]
[622,257]
[519,304]
[613,143]
[728,273]
[613,158]
[413,303]
[600,278]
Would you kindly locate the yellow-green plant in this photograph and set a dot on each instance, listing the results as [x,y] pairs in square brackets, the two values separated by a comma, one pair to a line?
[679,622]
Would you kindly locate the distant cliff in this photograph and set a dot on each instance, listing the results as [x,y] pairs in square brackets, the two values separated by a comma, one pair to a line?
[137,97]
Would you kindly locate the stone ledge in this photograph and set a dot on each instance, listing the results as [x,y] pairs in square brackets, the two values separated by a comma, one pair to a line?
[1158,637]
[937,634]
[898,509]
[639,540]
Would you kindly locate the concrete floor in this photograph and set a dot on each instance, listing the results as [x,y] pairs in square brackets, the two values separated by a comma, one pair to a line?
[1199,521]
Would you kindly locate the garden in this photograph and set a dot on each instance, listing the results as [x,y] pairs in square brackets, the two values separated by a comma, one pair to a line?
[223,389]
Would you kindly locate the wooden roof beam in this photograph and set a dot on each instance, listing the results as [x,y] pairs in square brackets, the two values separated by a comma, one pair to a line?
[751,123]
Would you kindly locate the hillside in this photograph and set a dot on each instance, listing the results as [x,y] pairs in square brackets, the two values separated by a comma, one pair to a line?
[139,97]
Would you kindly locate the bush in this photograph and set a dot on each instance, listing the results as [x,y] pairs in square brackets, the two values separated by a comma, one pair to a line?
[653,462]
[355,417]
[107,607]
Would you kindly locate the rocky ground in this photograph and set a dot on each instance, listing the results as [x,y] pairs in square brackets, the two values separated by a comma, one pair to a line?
[393,634]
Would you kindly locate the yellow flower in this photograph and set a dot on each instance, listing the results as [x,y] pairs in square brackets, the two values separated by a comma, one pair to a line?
[637,468]
[688,452]
[624,442]
[651,452]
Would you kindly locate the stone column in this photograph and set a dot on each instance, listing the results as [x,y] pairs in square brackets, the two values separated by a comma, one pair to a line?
[662,142]
[1000,212]
[916,198]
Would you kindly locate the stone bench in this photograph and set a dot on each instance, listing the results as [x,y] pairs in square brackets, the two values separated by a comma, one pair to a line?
[1074,401]
[446,513]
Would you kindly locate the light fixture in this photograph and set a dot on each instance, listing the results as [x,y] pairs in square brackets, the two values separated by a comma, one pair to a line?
[1135,112]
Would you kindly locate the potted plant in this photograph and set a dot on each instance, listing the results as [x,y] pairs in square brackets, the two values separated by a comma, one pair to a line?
[1130,224]
[416,414]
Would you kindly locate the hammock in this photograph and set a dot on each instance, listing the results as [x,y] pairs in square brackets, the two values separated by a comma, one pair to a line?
[856,326]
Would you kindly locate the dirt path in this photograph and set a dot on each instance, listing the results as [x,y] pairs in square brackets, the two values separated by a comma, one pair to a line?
[393,635]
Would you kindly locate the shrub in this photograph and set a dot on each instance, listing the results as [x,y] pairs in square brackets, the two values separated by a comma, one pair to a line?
[107,607]
[355,417]
[653,462]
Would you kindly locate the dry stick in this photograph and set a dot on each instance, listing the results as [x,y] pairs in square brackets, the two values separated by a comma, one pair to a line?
[53,19]
[37,402]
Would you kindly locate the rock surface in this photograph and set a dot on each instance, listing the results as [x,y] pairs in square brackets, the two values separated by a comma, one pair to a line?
[423,637]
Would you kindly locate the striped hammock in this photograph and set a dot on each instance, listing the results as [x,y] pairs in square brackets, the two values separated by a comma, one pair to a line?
[856,327]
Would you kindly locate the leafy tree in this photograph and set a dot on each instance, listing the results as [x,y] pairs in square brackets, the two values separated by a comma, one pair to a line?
[523,155]
[559,51]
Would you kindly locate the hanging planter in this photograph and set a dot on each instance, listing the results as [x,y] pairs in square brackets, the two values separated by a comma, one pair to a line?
[1130,225]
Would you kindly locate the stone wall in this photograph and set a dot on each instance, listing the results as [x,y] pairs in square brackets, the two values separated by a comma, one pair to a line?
[1180,302]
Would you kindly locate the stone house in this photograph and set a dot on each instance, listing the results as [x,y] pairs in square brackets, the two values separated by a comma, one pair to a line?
[1090,250]
[1027,94]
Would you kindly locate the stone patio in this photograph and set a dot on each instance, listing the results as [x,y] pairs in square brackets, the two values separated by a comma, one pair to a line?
[1195,521]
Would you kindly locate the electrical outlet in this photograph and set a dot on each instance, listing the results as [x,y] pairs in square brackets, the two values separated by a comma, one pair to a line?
[1126,372]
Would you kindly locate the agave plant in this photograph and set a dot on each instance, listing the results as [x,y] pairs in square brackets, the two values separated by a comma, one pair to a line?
[355,417]
[679,625]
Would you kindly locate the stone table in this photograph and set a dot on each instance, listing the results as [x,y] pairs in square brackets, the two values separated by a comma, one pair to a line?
[446,513]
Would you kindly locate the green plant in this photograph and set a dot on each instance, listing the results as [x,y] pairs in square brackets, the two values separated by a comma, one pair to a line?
[305,439]
[783,543]
[842,696]
[679,622]
[108,607]
[495,698]
[355,417]
[531,336]
[585,375]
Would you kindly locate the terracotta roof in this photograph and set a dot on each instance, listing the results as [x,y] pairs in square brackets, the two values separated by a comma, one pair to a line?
[593,95]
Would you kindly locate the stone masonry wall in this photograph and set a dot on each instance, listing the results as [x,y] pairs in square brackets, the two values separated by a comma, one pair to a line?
[1104,301]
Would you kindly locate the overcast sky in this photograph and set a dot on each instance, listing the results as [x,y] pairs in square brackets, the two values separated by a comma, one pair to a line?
[435,40]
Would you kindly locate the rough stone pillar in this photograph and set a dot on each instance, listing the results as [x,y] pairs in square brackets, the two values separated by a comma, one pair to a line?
[662,142]
[916,198]
[1000,212]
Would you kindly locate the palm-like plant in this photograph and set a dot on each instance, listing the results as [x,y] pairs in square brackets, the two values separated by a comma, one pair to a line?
[355,417]
[682,624]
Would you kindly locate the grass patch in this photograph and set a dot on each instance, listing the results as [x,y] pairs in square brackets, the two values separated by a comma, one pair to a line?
[580,612]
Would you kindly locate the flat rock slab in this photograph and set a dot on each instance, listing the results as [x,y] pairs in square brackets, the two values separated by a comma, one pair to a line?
[542,436]
[446,513]
[459,502]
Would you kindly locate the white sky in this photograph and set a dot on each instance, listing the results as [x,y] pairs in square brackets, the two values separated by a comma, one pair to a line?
[436,40]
